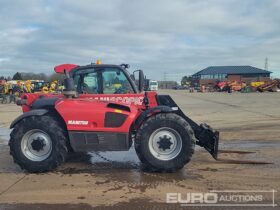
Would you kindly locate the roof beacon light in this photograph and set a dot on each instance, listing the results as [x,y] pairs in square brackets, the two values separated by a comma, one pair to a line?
[98,62]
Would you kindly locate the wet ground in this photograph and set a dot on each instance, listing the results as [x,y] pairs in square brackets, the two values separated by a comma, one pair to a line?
[248,122]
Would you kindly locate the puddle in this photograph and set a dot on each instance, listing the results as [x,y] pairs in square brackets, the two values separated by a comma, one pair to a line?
[124,166]
[4,135]
[118,156]
[107,160]
[120,167]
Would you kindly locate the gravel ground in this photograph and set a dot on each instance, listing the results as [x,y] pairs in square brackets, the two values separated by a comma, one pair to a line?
[248,122]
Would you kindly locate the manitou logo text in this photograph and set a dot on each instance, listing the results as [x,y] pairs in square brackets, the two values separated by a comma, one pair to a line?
[77,122]
[126,99]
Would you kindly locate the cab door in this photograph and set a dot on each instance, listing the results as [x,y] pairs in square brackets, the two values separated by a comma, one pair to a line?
[116,86]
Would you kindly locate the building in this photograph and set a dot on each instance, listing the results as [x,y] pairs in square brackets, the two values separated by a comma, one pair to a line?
[167,84]
[213,74]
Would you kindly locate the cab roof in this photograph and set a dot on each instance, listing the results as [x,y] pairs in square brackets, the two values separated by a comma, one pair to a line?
[70,67]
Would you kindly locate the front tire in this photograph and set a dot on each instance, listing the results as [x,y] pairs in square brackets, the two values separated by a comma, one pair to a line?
[165,143]
[38,144]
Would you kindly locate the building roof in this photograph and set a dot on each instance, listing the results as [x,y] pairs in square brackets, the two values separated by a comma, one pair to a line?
[231,70]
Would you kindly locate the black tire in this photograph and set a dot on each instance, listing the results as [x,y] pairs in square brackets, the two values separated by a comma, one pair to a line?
[169,120]
[58,138]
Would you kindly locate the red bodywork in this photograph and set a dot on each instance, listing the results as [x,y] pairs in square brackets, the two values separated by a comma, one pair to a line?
[90,109]
[93,121]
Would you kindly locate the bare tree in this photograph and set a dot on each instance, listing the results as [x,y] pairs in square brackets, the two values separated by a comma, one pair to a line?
[57,77]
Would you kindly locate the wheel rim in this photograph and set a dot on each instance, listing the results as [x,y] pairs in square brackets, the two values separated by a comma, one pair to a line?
[165,143]
[36,145]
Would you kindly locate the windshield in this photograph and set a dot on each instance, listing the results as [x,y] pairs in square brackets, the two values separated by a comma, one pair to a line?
[105,80]
[153,83]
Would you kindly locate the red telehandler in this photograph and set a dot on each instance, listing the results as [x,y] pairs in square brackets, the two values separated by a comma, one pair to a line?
[104,108]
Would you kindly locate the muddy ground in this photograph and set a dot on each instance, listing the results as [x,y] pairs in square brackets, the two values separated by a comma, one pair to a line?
[248,122]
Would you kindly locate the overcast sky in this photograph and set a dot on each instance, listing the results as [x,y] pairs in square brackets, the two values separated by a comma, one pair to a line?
[177,37]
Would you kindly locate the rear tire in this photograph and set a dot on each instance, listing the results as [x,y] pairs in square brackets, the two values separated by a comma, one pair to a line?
[165,143]
[38,144]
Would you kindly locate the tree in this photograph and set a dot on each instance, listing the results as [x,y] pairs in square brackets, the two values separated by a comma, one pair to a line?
[40,76]
[186,80]
[55,76]
[17,76]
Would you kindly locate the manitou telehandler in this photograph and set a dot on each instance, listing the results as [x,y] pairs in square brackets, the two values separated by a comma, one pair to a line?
[104,108]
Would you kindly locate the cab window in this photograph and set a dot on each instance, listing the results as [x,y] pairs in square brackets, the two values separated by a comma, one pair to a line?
[115,81]
[86,83]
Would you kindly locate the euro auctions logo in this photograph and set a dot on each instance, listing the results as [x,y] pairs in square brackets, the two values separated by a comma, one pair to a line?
[206,198]
[224,198]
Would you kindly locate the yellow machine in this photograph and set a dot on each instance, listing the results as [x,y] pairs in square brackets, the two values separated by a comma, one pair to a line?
[53,86]
[28,86]
[45,89]
[8,88]
[256,84]
[50,87]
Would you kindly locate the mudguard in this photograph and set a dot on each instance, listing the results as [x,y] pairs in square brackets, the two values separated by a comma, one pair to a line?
[44,103]
[151,111]
[35,112]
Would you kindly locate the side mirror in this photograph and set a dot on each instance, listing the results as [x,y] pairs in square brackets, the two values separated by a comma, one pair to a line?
[140,79]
